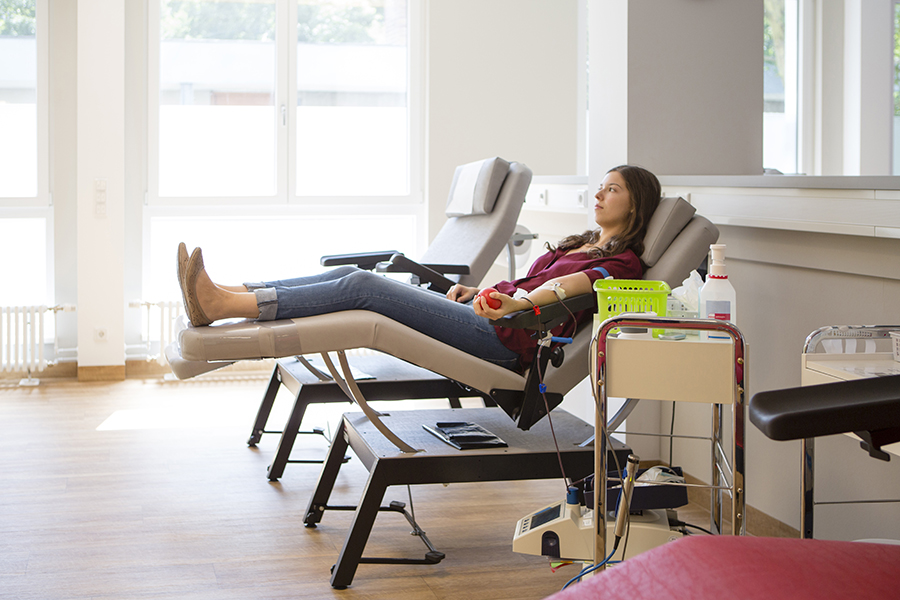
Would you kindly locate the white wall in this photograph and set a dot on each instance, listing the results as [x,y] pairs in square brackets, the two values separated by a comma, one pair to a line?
[501,80]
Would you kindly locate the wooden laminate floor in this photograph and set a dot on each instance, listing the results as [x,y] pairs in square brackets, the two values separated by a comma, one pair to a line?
[146,489]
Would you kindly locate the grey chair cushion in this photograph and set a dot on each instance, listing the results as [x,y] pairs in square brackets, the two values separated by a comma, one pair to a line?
[476,240]
[667,222]
[475,187]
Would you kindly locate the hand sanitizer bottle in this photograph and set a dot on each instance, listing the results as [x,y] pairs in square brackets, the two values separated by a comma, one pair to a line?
[717,297]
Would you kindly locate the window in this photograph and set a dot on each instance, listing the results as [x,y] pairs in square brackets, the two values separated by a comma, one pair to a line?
[780,56]
[290,245]
[284,129]
[280,100]
[352,100]
[23,244]
[25,215]
[217,96]
[23,105]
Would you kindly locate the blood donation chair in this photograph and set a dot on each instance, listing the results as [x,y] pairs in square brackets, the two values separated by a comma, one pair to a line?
[676,242]
[483,207]
[708,567]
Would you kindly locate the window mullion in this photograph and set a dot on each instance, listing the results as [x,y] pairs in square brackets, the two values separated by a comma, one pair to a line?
[43,102]
[288,75]
[153,49]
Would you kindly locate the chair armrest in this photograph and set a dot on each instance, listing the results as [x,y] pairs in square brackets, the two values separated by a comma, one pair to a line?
[398,263]
[448,269]
[827,409]
[551,314]
[363,260]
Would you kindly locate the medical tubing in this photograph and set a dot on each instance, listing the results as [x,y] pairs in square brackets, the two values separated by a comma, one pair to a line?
[537,365]
[587,570]
[534,306]
[543,388]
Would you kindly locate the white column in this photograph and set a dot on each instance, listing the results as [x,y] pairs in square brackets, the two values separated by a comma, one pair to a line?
[676,86]
[868,86]
[829,87]
[100,188]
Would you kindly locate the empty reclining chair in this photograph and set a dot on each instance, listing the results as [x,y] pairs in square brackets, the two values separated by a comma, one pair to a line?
[485,200]
[677,241]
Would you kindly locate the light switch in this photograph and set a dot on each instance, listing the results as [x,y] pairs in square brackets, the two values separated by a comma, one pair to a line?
[100,197]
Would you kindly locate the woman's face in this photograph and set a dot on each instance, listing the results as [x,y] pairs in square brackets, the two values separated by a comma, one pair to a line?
[613,203]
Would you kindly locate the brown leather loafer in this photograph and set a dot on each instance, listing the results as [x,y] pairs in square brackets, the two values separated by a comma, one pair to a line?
[189,288]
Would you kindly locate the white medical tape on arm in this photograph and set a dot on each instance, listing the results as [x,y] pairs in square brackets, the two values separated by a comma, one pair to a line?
[557,289]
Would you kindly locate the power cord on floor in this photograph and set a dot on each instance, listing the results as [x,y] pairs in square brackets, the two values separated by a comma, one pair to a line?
[678,523]
[671,434]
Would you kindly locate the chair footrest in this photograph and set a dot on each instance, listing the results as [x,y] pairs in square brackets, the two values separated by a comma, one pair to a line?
[431,558]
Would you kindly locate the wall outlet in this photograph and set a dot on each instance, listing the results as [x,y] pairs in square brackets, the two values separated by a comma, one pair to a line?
[100,334]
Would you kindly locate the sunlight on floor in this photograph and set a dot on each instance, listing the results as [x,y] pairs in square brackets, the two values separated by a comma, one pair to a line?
[178,414]
[240,412]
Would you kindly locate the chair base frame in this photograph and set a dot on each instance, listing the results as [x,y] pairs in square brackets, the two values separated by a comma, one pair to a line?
[394,379]
[531,455]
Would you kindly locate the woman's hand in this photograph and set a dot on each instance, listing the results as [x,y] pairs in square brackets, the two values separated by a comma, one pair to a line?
[461,293]
[507,305]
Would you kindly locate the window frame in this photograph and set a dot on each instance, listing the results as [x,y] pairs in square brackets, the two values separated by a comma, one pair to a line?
[42,40]
[285,98]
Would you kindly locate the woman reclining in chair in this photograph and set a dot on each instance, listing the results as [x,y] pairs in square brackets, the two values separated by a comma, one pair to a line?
[626,200]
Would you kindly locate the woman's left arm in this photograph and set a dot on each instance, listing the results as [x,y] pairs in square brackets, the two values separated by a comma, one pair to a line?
[573,284]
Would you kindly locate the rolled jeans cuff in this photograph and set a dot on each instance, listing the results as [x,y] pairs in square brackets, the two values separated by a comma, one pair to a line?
[267,302]
[253,286]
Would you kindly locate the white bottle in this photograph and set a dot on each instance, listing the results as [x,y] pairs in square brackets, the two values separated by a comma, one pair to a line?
[717,297]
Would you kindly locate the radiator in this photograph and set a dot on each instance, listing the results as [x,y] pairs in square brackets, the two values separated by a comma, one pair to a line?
[160,325]
[22,330]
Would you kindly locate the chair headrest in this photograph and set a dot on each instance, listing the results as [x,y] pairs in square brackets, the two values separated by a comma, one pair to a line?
[475,187]
[670,217]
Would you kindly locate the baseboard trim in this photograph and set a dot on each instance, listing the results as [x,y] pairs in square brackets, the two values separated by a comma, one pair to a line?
[102,373]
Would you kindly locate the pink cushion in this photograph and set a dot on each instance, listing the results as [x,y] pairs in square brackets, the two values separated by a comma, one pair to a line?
[749,568]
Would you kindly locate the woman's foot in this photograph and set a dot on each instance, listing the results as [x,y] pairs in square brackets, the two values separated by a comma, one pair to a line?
[190,278]
[206,301]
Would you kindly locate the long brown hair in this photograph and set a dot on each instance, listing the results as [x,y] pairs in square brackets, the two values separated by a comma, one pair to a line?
[645,192]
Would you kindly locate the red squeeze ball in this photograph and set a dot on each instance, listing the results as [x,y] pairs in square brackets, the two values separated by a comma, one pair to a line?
[491,302]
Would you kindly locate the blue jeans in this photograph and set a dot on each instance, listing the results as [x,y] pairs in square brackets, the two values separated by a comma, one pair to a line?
[350,288]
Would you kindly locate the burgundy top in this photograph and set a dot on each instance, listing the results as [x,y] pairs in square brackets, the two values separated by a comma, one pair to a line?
[556,264]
